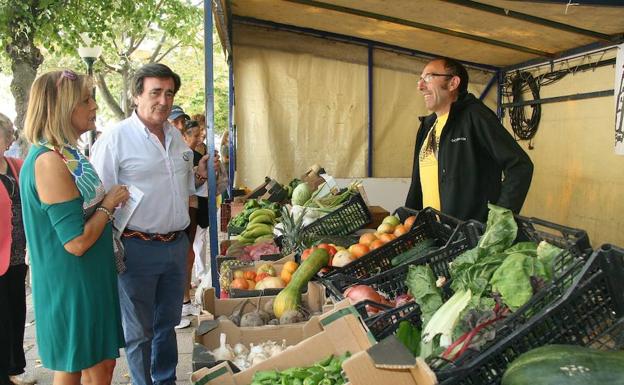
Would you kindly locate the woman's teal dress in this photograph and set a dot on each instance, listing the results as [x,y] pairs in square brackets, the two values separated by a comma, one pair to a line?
[77,314]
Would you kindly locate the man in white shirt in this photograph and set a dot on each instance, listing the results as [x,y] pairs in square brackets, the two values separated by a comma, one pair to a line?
[147,152]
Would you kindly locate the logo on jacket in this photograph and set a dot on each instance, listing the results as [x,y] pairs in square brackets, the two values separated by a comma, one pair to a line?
[460,139]
[186,155]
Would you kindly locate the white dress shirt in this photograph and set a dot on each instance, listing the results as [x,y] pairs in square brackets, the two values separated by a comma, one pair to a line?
[129,154]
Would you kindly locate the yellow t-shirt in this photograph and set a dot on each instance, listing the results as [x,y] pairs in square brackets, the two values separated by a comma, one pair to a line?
[428,165]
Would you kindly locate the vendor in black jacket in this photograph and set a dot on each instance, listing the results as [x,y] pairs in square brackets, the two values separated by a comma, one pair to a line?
[464,157]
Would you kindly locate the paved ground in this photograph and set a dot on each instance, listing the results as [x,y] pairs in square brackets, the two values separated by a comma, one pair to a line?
[121,375]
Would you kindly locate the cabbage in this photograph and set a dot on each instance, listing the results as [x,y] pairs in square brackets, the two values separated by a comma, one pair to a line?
[301,194]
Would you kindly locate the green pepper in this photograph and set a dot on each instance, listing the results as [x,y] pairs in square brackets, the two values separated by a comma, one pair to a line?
[326,381]
[325,361]
[313,379]
[297,381]
[264,375]
[299,373]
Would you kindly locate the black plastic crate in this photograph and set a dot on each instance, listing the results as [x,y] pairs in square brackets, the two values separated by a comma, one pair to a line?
[429,224]
[589,313]
[567,266]
[351,216]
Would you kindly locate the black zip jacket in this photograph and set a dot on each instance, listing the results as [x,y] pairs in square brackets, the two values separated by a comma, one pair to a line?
[478,162]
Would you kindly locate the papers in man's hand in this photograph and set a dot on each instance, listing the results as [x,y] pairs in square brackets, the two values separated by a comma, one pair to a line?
[123,214]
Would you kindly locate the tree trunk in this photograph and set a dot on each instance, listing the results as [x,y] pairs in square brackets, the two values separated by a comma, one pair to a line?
[25,60]
[109,99]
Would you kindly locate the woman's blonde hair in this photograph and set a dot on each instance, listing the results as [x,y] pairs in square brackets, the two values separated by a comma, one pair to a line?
[53,97]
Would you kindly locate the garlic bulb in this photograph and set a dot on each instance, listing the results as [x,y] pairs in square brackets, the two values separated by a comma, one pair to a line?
[240,349]
[224,351]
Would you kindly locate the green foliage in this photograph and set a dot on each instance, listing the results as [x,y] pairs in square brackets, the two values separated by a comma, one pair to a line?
[131,33]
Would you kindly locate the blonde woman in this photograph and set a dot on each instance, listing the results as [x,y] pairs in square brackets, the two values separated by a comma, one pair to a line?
[67,217]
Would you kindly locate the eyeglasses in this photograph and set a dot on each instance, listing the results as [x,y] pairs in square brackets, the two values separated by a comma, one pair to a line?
[429,77]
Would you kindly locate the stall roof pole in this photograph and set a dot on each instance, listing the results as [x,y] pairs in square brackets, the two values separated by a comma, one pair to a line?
[426,27]
[210,145]
[531,19]
[231,134]
[352,40]
[370,112]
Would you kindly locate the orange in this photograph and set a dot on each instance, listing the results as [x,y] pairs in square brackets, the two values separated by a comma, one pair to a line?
[290,266]
[409,222]
[376,244]
[387,238]
[286,275]
[358,250]
[251,284]
[367,238]
[239,283]
[400,230]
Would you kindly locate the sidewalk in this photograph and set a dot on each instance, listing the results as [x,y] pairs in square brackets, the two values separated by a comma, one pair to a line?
[121,375]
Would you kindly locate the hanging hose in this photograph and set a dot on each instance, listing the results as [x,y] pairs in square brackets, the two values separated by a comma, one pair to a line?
[523,128]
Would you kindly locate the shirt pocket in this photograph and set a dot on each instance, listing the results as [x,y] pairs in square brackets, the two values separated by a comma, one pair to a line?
[183,161]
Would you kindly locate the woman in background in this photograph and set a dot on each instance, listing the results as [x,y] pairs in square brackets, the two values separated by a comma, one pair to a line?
[67,217]
[13,266]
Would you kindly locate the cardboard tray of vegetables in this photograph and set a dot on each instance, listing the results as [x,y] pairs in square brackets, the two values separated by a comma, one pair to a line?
[431,231]
[589,312]
[467,302]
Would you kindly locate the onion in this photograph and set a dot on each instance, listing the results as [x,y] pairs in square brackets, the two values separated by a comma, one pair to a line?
[270,283]
[403,299]
[360,293]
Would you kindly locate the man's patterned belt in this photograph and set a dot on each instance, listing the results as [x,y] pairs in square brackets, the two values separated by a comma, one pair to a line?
[169,237]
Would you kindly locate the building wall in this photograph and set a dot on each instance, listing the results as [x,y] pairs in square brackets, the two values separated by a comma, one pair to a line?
[578,180]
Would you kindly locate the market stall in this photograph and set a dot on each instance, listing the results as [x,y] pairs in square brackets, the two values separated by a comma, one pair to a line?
[334,83]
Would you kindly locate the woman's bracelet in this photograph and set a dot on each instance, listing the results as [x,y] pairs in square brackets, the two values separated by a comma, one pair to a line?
[106,211]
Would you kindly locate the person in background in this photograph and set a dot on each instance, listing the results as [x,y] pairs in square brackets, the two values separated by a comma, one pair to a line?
[464,158]
[18,148]
[225,154]
[67,215]
[147,152]
[201,146]
[13,266]
[178,117]
[191,134]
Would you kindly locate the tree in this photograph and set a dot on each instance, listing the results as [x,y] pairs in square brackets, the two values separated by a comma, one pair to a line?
[131,33]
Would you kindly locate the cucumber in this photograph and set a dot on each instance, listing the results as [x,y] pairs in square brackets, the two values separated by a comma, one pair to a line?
[420,249]
[566,365]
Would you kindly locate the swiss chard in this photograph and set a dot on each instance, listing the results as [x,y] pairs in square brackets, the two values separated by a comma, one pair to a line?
[422,285]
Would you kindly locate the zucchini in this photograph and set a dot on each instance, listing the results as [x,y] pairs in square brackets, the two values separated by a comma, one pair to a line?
[566,365]
[420,249]
[290,297]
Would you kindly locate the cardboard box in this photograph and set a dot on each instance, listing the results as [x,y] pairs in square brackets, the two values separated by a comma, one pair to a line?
[360,370]
[292,334]
[378,213]
[314,300]
[342,331]
[278,265]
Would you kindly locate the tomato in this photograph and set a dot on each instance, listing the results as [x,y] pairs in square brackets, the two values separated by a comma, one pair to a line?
[307,252]
[250,275]
[330,249]
[261,276]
